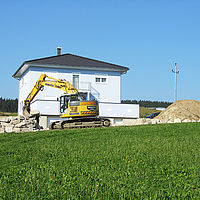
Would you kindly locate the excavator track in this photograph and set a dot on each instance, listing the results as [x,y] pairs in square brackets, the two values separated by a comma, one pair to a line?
[74,123]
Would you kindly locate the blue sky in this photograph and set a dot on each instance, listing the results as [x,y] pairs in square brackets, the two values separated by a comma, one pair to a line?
[148,36]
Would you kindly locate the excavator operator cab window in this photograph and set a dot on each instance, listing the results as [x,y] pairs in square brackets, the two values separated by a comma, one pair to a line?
[73,98]
[64,101]
[83,96]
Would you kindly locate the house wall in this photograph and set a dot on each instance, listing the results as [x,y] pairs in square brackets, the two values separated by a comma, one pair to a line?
[104,92]
[24,90]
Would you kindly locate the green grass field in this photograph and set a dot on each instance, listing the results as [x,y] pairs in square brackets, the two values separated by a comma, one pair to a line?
[138,162]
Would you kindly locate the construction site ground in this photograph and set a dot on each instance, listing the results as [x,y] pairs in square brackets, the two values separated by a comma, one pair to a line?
[179,112]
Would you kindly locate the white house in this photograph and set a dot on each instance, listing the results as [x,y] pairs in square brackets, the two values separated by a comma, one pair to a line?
[95,79]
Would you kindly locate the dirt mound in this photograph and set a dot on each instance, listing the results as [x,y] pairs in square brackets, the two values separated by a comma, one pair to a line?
[183,110]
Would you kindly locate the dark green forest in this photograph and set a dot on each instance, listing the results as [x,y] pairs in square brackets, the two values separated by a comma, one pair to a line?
[8,105]
[148,104]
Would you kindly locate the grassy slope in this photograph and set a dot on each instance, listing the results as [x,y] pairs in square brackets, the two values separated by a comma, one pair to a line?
[107,163]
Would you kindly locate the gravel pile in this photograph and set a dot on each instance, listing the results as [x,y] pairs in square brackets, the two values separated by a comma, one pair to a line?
[183,110]
[179,112]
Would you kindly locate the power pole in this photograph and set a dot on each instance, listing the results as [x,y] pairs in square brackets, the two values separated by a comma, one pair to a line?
[175,72]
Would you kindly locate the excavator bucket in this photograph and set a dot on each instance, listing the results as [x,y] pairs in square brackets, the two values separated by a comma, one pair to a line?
[26,110]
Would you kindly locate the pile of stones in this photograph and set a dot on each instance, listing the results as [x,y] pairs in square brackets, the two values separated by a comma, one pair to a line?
[20,123]
[142,121]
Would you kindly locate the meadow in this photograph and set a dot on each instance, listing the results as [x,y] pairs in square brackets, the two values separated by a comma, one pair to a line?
[139,162]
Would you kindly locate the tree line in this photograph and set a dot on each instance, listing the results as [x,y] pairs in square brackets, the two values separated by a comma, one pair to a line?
[148,104]
[8,105]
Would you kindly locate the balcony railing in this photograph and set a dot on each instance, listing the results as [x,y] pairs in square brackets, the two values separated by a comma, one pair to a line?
[87,87]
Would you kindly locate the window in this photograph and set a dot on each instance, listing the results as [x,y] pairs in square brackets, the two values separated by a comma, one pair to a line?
[76,81]
[83,96]
[103,80]
[100,80]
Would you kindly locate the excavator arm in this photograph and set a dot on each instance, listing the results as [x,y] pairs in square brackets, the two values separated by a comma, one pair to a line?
[66,86]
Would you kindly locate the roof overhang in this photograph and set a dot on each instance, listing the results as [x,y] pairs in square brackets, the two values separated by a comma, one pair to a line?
[25,66]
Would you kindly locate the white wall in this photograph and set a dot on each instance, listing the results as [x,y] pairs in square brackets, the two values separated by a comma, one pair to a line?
[24,90]
[104,92]
[47,107]
[118,110]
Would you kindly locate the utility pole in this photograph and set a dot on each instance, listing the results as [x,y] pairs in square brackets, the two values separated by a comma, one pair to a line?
[175,72]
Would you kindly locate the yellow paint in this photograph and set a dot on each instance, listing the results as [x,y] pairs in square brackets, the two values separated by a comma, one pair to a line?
[82,110]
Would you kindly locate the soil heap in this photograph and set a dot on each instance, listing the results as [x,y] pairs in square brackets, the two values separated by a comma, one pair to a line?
[183,110]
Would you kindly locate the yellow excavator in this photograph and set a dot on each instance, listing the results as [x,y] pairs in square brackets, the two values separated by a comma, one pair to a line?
[74,111]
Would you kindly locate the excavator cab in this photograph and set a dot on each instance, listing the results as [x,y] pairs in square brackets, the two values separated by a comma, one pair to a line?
[64,102]
[73,106]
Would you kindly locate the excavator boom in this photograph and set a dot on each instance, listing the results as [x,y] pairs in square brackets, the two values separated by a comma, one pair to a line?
[52,82]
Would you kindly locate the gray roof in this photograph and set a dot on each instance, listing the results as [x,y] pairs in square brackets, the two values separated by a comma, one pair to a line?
[72,61]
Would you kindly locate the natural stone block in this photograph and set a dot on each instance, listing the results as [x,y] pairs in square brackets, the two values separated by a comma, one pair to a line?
[177,120]
[15,121]
[34,113]
[129,121]
[32,121]
[11,118]
[25,129]
[164,121]
[4,119]
[2,130]
[17,130]
[31,129]
[147,121]
[155,121]
[21,124]
[186,120]
[43,121]
[9,129]
[140,121]
[21,117]
[3,124]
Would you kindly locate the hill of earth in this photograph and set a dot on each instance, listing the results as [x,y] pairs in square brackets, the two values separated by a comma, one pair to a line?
[183,110]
